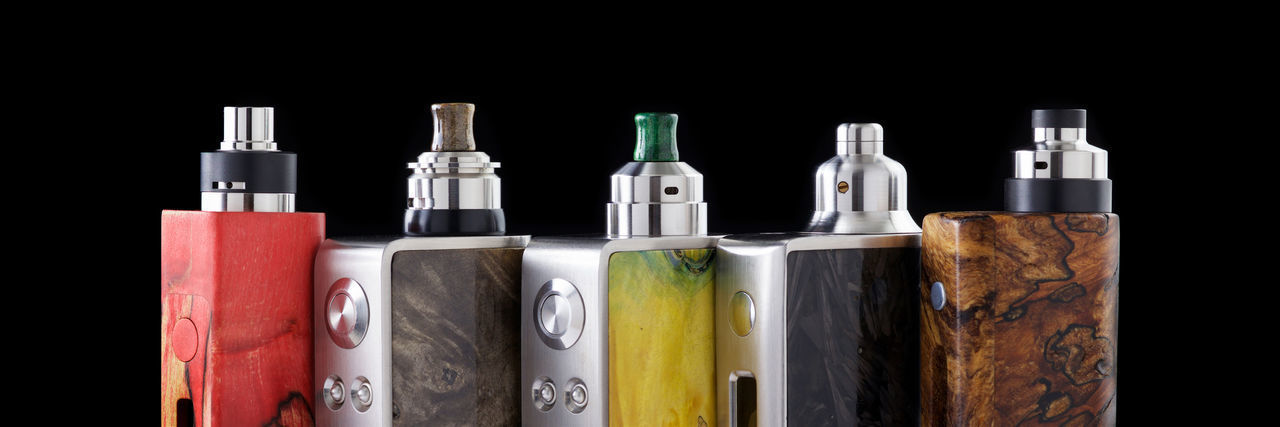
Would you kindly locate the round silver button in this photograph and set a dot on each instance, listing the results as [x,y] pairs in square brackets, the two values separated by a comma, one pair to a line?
[544,394]
[548,393]
[342,314]
[559,314]
[362,394]
[347,313]
[556,314]
[576,398]
[333,392]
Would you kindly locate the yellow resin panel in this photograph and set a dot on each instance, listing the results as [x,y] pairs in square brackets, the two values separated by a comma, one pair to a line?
[662,338]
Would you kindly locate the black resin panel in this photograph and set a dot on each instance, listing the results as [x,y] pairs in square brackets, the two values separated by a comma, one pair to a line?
[853,337]
[455,337]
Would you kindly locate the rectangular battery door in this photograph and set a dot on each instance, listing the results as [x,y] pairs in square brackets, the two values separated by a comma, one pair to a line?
[455,336]
[852,343]
[662,337]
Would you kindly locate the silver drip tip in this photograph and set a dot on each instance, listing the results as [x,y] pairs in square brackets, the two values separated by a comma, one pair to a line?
[453,175]
[1061,151]
[656,195]
[861,190]
[248,129]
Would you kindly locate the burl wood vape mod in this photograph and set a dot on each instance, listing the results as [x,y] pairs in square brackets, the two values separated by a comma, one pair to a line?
[422,329]
[618,329]
[1018,318]
[821,327]
[235,287]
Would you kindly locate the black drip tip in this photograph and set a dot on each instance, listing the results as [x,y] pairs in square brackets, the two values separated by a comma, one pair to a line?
[1064,118]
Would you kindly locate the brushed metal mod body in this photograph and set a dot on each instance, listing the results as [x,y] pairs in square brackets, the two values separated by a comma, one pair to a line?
[347,360]
[860,203]
[756,265]
[582,262]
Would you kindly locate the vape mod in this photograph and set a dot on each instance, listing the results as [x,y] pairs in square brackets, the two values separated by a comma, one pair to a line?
[235,287]
[821,327]
[618,329]
[422,329]
[1018,317]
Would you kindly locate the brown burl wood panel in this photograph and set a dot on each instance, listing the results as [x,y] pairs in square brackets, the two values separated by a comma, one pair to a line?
[1027,335]
[455,336]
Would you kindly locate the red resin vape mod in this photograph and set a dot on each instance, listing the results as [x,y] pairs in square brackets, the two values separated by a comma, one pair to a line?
[235,288]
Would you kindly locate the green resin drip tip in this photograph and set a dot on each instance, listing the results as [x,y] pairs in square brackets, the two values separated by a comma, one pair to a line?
[656,137]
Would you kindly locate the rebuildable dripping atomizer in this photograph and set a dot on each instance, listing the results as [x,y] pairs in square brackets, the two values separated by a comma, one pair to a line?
[821,327]
[1019,308]
[235,287]
[618,329]
[422,329]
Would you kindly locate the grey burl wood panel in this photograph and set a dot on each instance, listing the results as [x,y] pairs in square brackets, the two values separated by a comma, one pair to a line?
[455,343]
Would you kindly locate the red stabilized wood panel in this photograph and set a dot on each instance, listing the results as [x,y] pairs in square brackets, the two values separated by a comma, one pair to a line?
[1027,335]
[244,281]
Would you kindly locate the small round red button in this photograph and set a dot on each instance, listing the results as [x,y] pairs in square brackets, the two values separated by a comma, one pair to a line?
[184,339]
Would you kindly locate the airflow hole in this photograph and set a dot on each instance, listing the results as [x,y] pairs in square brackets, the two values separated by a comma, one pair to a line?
[744,402]
[1042,165]
[186,413]
[671,191]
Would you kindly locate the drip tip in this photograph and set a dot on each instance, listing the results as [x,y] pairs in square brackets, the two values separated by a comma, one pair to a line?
[1063,118]
[656,137]
[248,129]
[453,127]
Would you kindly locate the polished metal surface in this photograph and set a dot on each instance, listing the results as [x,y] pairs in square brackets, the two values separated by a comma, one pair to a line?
[454,180]
[561,314]
[361,394]
[248,129]
[742,313]
[347,313]
[583,261]
[452,175]
[333,392]
[861,190]
[656,199]
[544,394]
[576,396]
[859,138]
[246,202]
[1060,153]
[368,262]
[756,264]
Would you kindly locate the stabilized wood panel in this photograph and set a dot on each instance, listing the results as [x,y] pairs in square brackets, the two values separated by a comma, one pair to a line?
[455,337]
[662,338]
[853,337]
[243,282]
[1027,335]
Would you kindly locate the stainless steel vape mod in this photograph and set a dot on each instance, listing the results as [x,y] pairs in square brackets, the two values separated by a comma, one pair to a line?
[821,327]
[422,329]
[235,287]
[618,329]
